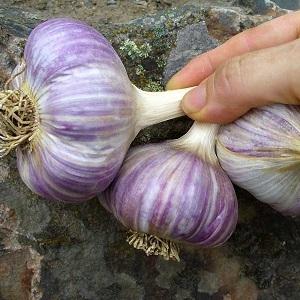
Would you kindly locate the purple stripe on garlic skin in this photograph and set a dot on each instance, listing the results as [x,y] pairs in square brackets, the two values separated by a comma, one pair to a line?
[53,167]
[261,153]
[88,112]
[175,190]
[81,120]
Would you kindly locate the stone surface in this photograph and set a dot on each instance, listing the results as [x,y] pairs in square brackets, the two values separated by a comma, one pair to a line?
[288,4]
[192,40]
[259,6]
[56,251]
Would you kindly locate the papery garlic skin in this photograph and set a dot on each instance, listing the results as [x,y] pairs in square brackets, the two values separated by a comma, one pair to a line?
[168,191]
[261,153]
[86,111]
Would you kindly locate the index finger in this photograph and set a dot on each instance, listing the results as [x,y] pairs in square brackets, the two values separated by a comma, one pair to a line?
[272,33]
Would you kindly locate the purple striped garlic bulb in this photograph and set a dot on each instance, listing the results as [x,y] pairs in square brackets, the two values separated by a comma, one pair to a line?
[71,112]
[174,192]
[261,153]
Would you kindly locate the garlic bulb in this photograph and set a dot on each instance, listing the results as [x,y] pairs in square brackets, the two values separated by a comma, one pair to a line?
[174,191]
[72,112]
[261,153]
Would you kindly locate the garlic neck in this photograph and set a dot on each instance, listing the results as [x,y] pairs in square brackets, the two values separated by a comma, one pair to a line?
[156,107]
[201,140]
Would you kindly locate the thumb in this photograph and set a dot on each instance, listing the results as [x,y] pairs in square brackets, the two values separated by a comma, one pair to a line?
[254,79]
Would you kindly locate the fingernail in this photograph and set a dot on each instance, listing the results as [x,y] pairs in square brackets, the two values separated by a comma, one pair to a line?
[171,84]
[195,100]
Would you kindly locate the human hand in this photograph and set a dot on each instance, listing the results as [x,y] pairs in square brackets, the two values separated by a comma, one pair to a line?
[257,67]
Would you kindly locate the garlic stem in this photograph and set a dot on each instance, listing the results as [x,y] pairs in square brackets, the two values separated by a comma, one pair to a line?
[200,139]
[156,107]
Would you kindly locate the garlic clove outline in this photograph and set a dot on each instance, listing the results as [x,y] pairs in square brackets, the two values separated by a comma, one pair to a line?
[72,113]
[261,153]
[174,192]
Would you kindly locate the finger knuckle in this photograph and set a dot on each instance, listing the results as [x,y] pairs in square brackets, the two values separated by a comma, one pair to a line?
[228,77]
[293,61]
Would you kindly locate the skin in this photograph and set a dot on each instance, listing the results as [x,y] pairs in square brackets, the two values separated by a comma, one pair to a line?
[257,67]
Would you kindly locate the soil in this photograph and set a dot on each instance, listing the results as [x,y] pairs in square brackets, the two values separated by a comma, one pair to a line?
[116,11]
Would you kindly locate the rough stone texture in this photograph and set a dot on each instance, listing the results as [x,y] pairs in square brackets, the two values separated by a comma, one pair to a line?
[56,251]
[288,4]
[192,40]
[262,5]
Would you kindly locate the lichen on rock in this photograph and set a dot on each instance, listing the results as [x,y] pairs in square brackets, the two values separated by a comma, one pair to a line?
[57,251]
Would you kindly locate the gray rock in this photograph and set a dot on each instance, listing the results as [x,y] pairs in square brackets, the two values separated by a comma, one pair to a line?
[261,6]
[111,2]
[142,3]
[288,4]
[56,251]
[192,40]
[209,283]
[167,270]
[255,5]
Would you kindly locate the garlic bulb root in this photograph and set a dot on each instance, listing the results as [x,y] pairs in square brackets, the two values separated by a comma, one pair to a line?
[153,245]
[19,120]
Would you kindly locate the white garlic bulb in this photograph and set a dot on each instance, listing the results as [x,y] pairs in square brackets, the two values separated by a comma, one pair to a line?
[261,153]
